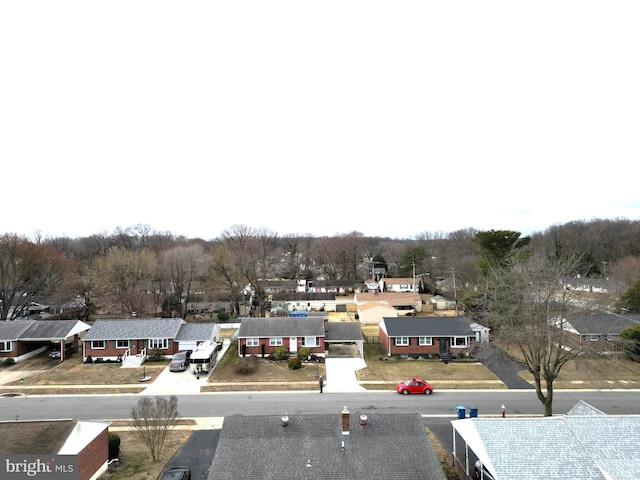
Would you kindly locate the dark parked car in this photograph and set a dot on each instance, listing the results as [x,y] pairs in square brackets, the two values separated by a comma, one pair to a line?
[54,349]
[180,361]
[414,385]
[176,473]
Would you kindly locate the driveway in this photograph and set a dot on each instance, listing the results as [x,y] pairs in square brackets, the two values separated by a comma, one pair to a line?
[503,366]
[25,368]
[341,374]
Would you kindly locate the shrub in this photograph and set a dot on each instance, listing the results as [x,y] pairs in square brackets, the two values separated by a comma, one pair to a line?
[89,359]
[304,353]
[155,355]
[223,316]
[294,363]
[281,353]
[8,362]
[114,445]
[246,366]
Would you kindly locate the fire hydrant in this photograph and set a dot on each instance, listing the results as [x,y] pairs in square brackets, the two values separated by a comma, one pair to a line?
[503,410]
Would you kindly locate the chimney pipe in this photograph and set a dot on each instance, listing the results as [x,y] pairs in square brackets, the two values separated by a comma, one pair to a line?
[345,421]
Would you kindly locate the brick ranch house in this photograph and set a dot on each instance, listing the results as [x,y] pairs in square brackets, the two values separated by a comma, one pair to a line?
[443,337]
[260,336]
[131,340]
[598,332]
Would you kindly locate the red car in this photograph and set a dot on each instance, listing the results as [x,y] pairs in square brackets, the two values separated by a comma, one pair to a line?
[414,385]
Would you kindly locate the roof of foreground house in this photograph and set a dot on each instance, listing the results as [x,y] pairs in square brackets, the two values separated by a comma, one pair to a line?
[389,446]
[56,436]
[591,445]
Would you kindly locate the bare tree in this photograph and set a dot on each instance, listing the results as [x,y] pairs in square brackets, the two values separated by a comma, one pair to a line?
[152,420]
[125,274]
[535,319]
[27,270]
[253,252]
[184,265]
[223,270]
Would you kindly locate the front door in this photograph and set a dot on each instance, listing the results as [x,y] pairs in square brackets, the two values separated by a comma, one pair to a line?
[293,345]
[444,344]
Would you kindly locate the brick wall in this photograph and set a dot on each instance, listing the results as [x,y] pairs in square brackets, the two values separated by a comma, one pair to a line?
[93,456]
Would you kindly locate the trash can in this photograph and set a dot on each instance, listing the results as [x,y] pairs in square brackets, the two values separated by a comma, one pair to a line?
[473,412]
[461,412]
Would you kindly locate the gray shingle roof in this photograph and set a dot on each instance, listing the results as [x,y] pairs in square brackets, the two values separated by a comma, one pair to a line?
[593,446]
[427,326]
[40,330]
[134,328]
[344,332]
[282,327]
[196,332]
[54,329]
[601,323]
[389,446]
[11,331]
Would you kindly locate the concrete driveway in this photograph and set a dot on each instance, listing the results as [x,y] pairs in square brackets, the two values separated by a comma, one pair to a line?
[341,374]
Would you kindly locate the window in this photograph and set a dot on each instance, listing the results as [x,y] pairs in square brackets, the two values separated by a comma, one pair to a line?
[590,338]
[97,344]
[402,341]
[458,342]
[122,343]
[160,343]
[253,342]
[310,342]
[275,342]
[6,346]
[425,341]
[613,337]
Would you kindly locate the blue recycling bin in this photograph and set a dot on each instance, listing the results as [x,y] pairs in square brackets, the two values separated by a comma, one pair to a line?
[461,412]
[473,412]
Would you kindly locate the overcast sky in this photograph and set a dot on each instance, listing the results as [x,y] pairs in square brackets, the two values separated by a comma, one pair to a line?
[388,118]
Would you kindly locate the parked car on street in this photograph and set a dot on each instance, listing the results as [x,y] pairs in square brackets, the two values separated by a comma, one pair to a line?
[176,473]
[180,361]
[54,349]
[414,385]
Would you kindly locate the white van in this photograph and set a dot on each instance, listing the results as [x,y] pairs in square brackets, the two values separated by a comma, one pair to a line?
[203,358]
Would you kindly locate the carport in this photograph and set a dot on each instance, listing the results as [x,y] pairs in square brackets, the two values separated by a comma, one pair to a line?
[344,339]
[35,338]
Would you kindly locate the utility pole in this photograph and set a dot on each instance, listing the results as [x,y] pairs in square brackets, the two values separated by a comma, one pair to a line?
[455,291]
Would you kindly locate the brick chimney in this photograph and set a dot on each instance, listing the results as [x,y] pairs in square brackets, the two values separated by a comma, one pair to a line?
[345,421]
[326,324]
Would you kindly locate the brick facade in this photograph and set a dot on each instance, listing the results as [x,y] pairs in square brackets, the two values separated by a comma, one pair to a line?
[270,349]
[439,345]
[94,456]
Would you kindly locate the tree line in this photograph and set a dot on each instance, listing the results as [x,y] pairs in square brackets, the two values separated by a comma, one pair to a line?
[138,269]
